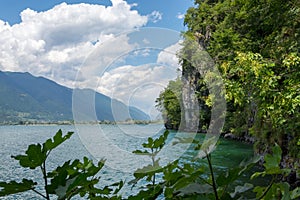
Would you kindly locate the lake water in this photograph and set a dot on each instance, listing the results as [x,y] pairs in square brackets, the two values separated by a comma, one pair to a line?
[120,141]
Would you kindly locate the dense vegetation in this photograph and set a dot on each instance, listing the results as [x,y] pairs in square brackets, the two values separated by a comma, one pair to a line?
[255,45]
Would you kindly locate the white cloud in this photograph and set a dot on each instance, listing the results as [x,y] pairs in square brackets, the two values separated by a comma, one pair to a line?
[180,16]
[169,56]
[54,43]
[136,85]
[155,16]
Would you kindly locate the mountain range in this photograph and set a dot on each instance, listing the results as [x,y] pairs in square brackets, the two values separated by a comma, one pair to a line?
[24,97]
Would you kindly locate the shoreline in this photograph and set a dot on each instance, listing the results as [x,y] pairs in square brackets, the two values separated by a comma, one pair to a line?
[45,123]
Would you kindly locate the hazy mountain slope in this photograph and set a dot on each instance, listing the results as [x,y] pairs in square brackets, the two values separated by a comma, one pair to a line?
[25,97]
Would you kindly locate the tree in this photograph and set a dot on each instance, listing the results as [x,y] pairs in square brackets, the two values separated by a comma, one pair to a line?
[255,44]
[168,103]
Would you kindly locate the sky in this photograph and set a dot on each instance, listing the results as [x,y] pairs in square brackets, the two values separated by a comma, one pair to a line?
[123,49]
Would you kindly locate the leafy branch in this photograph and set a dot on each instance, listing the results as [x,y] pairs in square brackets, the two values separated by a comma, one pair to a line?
[70,179]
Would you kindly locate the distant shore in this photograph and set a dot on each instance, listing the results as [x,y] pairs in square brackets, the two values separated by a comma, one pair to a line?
[66,122]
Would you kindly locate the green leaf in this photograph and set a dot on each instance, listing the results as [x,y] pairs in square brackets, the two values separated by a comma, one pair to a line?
[75,178]
[240,189]
[119,186]
[285,190]
[151,192]
[60,175]
[295,193]
[158,143]
[57,140]
[34,157]
[259,191]
[257,174]
[272,161]
[195,188]
[148,170]
[139,152]
[149,144]
[233,174]
[13,187]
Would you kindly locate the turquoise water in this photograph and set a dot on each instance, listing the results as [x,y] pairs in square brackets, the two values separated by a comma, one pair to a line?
[15,139]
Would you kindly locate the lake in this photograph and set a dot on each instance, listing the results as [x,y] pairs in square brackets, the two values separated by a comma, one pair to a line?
[119,142]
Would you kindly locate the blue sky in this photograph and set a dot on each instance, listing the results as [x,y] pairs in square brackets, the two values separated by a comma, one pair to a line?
[170,9]
[56,39]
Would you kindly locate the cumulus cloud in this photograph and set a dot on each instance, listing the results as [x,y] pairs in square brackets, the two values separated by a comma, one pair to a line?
[136,85]
[54,43]
[169,56]
[79,41]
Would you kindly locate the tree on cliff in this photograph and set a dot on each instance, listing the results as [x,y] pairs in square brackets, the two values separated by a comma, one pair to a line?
[255,45]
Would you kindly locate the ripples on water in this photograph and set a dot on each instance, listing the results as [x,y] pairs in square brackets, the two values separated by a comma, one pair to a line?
[15,139]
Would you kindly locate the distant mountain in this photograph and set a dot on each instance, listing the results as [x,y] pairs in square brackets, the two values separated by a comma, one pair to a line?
[24,97]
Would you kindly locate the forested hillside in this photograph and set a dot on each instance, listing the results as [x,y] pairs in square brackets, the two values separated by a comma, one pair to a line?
[255,46]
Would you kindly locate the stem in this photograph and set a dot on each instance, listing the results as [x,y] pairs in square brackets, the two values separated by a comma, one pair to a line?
[153,181]
[43,168]
[268,188]
[205,181]
[212,176]
[153,162]
[224,190]
[39,193]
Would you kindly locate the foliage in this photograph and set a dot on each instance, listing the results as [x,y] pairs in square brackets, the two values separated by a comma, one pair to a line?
[168,103]
[276,189]
[70,179]
[255,44]
[152,148]
[271,99]
[184,180]
[176,180]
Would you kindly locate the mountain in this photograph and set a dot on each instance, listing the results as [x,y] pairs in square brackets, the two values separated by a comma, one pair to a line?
[24,97]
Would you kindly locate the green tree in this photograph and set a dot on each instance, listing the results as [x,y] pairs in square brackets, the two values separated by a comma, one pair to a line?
[255,44]
[168,103]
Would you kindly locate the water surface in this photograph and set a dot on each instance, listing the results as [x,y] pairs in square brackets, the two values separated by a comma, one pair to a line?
[15,139]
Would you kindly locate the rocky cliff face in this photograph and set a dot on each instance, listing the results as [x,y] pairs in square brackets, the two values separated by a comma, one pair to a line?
[195,114]
[189,102]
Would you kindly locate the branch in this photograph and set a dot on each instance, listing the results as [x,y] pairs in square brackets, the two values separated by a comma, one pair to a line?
[212,177]
[43,168]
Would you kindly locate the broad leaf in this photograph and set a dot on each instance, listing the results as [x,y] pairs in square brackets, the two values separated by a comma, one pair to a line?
[295,193]
[233,174]
[151,193]
[240,189]
[13,187]
[195,188]
[139,152]
[272,161]
[75,178]
[57,140]
[34,157]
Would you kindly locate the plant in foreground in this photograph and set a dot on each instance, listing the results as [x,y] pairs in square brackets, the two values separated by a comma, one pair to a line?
[187,181]
[66,181]
[176,180]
